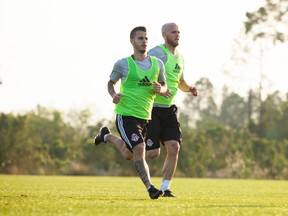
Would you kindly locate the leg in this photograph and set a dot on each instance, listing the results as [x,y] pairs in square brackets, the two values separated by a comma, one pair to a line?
[171,134]
[152,154]
[141,164]
[106,136]
[171,160]
[169,166]
[143,170]
[131,130]
[120,145]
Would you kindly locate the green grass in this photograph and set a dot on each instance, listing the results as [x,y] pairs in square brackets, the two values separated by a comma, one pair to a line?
[82,195]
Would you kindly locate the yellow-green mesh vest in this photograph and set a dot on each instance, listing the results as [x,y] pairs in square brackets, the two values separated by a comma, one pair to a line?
[137,90]
[174,69]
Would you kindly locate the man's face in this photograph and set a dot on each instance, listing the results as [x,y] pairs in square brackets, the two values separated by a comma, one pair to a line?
[173,36]
[140,41]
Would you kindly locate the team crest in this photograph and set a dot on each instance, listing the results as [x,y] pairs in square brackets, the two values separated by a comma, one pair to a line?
[134,137]
[149,142]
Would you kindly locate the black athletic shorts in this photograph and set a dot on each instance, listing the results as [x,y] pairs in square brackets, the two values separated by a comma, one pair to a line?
[164,126]
[131,129]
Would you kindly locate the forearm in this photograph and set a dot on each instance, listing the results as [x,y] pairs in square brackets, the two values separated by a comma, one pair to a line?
[183,86]
[111,89]
[188,88]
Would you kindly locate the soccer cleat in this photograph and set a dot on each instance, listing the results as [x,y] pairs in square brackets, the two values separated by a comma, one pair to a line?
[154,193]
[100,137]
[168,193]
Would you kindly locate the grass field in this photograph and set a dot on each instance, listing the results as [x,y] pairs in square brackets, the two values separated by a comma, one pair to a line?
[83,195]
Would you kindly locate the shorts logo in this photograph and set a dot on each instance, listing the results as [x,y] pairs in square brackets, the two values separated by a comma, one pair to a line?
[149,142]
[134,137]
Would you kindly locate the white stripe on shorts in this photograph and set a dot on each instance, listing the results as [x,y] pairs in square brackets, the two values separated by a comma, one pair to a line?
[122,131]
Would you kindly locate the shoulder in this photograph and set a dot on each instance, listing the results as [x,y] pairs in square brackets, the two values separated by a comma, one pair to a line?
[159,53]
[156,51]
[121,63]
[156,59]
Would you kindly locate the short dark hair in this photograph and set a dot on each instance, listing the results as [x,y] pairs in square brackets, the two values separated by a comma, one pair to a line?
[134,30]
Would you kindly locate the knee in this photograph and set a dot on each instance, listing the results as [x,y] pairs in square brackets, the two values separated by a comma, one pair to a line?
[173,147]
[128,156]
[176,147]
[152,154]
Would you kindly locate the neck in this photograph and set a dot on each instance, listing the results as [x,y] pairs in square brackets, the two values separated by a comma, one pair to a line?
[170,48]
[139,57]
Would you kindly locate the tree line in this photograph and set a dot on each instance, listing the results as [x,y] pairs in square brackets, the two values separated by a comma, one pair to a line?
[226,141]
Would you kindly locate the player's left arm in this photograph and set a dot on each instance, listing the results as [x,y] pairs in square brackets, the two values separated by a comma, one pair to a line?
[185,87]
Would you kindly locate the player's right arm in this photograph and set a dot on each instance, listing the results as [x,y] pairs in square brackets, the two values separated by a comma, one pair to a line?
[119,71]
[111,90]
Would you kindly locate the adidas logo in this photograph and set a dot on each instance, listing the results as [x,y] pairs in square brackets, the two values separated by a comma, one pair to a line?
[177,68]
[144,82]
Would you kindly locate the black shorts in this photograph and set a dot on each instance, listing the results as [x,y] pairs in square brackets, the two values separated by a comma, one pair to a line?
[132,130]
[164,126]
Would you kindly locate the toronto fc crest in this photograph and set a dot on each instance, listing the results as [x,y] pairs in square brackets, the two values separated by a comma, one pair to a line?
[134,137]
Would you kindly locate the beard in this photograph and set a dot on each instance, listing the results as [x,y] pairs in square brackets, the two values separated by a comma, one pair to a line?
[172,43]
[142,51]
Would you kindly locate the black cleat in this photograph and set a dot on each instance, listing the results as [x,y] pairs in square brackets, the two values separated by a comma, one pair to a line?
[168,193]
[100,137]
[154,193]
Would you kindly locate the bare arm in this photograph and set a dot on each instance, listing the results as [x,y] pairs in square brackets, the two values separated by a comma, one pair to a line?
[187,88]
[111,90]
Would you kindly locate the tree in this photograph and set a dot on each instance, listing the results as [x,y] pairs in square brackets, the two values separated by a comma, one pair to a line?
[233,111]
[201,109]
[263,29]
[269,24]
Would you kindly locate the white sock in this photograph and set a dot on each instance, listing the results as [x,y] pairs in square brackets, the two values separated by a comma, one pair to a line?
[105,137]
[165,184]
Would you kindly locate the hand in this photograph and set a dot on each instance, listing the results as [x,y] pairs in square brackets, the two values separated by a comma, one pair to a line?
[157,87]
[194,91]
[163,91]
[166,94]
[116,98]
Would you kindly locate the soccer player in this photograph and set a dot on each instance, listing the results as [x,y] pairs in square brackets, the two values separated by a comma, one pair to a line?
[142,77]
[165,127]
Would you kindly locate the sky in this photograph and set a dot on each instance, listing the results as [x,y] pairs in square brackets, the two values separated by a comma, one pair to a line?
[59,53]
